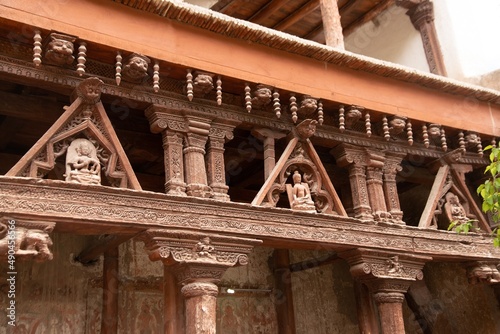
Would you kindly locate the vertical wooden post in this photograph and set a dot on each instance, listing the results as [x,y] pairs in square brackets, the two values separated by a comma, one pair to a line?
[367,318]
[284,295]
[331,23]
[109,322]
[170,325]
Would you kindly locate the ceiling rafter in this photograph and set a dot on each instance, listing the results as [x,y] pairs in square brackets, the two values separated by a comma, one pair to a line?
[373,13]
[262,14]
[297,15]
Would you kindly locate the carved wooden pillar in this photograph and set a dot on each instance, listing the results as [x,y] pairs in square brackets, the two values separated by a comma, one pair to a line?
[172,127]
[174,164]
[388,276]
[355,159]
[216,172]
[283,289]
[194,157]
[391,167]
[421,13]
[109,322]
[268,137]
[198,261]
[367,320]
[374,186]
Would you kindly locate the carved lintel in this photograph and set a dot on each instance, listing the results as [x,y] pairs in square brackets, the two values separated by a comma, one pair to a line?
[26,240]
[483,272]
[161,118]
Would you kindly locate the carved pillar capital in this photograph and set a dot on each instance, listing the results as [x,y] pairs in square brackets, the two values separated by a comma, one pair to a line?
[421,13]
[388,276]
[367,265]
[197,250]
[199,261]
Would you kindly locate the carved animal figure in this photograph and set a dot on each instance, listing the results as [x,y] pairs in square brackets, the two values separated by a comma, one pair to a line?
[262,96]
[136,67]
[308,105]
[397,125]
[30,244]
[60,50]
[203,84]
[472,140]
[351,117]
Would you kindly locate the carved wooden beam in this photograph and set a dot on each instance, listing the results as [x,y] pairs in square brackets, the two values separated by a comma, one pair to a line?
[103,210]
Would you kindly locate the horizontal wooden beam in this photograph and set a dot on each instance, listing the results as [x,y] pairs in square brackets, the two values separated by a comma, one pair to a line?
[82,209]
[298,15]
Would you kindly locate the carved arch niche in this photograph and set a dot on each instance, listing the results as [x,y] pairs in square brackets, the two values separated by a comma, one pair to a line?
[85,141]
[301,163]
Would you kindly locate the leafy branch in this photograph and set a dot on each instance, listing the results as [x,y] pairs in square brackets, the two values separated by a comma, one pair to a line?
[490,190]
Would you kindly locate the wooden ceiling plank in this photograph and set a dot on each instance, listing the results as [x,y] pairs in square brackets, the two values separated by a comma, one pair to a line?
[230,8]
[297,15]
[267,10]
[370,15]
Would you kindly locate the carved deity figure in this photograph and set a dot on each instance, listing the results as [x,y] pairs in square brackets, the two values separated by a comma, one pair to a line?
[60,50]
[472,140]
[308,105]
[204,248]
[397,125]
[301,196]
[352,116]
[262,96]
[393,264]
[454,210]
[136,67]
[82,164]
[203,83]
[306,128]
[30,243]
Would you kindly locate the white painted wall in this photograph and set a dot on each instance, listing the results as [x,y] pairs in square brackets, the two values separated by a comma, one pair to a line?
[468,32]
[391,37]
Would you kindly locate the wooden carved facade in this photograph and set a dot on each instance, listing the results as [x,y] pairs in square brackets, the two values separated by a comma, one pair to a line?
[120,139]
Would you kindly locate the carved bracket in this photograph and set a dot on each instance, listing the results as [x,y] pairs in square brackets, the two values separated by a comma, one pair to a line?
[483,272]
[26,240]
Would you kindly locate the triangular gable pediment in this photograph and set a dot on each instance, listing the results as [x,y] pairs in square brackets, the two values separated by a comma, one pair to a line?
[85,135]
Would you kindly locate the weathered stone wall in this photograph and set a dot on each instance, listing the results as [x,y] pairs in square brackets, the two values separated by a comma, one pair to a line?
[324,300]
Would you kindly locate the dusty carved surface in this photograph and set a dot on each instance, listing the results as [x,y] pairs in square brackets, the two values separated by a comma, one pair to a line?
[126,208]
[136,67]
[25,240]
[483,272]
